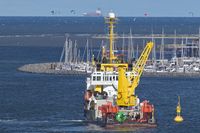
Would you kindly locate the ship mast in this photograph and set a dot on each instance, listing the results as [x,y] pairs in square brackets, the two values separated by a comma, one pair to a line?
[111,20]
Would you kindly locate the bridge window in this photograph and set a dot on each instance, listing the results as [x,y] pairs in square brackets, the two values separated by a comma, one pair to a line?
[94,78]
[113,78]
[106,78]
[98,78]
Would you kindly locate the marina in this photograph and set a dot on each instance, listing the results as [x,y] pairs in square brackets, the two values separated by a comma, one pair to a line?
[180,56]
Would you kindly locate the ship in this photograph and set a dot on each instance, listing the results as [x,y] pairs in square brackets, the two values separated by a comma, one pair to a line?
[109,99]
[97,13]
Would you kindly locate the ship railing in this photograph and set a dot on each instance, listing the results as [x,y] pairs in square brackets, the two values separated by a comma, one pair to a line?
[104,78]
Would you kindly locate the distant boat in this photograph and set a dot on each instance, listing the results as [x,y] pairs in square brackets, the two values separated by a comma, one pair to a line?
[97,13]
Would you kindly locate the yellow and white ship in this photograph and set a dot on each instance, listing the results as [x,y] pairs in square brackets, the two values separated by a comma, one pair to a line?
[110,97]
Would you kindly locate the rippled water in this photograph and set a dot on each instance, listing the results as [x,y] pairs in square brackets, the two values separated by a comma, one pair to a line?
[53,103]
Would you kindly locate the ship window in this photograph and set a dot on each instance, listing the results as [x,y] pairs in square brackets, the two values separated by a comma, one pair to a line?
[94,78]
[98,78]
[106,78]
[110,78]
[114,78]
[117,78]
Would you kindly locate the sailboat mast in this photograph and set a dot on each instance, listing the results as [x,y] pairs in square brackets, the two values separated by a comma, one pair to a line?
[175,43]
[137,53]
[182,48]
[70,51]
[199,43]
[66,50]
[162,48]
[123,44]
[153,52]
[75,52]
[132,53]
[87,51]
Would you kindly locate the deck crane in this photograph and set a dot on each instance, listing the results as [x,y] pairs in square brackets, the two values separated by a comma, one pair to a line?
[127,84]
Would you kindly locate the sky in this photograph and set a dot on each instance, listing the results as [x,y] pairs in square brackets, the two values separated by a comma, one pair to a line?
[153,8]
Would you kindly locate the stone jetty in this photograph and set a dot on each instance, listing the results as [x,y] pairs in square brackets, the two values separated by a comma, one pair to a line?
[49,68]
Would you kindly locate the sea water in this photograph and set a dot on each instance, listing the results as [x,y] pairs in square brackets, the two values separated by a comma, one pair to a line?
[43,103]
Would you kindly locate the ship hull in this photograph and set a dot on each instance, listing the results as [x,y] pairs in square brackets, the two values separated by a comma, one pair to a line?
[131,125]
[123,125]
[112,124]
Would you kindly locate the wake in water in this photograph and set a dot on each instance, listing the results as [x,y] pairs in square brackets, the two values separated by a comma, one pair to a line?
[15,121]
[57,126]
[6,121]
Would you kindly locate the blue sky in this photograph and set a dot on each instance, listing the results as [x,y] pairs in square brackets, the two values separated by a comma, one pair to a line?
[174,8]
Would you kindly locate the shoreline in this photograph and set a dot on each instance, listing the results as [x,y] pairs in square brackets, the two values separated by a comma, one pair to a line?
[48,68]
